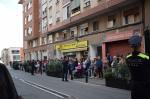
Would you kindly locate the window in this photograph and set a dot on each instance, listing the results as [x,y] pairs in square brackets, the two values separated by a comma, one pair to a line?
[35,43]
[50,15]
[15,51]
[50,39]
[75,6]
[83,29]
[30,30]
[56,37]
[44,13]
[44,10]
[66,12]
[111,21]
[25,32]
[65,36]
[131,16]
[30,18]
[76,10]
[95,26]
[16,57]
[30,4]
[50,10]
[44,24]
[58,16]
[50,21]
[44,40]
[87,3]
[72,34]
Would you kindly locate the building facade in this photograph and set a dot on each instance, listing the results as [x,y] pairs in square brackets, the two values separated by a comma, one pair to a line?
[81,28]
[5,56]
[12,54]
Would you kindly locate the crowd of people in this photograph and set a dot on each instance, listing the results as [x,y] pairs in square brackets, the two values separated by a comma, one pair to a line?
[89,68]
[79,68]
[33,66]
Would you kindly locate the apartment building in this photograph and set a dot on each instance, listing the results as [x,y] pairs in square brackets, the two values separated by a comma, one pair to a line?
[5,56]
[81,28]
[12,54]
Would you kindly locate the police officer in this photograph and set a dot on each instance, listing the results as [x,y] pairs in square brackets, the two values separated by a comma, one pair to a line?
[139,66]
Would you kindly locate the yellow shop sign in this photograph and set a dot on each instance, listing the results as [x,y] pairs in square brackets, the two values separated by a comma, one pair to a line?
[68,46]
[72,46]
[82,44]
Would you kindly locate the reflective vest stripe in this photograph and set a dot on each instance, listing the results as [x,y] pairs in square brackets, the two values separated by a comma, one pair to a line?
[129,55]
[140,55]
[143,56]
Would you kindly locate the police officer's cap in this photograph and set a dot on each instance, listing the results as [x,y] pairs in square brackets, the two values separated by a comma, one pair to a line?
[135,41]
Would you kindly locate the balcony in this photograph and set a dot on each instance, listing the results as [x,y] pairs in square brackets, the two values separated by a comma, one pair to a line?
[105,7]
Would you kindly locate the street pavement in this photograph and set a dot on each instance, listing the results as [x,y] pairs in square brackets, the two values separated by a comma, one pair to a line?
[75,89]
[28,92]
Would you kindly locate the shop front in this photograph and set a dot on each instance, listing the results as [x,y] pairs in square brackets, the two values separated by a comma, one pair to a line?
[77,49]
[116,44]
[118,48]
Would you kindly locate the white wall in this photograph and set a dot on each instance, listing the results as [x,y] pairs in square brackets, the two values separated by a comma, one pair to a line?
[10,52]
[58,54]
[92,51]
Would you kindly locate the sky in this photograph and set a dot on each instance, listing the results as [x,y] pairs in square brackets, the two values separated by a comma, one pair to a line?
[11,24]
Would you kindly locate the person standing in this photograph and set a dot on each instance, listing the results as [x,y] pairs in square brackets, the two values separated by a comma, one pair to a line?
[65,68]
[99,67]
[87,65]
[71,67]
[139,67]
[110,59]
[114,63]
[40,67]
[32,67]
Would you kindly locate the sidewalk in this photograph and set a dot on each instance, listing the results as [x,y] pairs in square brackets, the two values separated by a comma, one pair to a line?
[95,89]
[94,81]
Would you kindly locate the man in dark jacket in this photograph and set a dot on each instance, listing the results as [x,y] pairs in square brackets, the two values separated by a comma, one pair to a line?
[65,68]
[139,66]
[7,88]
[32,67]
[99,67]
[87,65]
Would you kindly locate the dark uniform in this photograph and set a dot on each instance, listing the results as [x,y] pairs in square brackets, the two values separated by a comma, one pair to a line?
[139,66]
[65,69]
